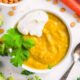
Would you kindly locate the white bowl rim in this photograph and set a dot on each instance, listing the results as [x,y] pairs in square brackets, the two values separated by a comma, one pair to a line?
[69,49]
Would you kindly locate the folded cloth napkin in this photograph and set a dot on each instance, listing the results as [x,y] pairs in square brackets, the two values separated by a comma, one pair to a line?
[75,72]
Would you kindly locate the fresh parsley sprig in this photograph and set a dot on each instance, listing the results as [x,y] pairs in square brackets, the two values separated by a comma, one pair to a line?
[20,46]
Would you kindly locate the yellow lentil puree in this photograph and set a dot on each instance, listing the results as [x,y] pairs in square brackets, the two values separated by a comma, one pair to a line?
[52,47]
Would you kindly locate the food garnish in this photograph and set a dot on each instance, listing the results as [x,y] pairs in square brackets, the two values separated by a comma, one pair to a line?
[78,78]
[10,78]
[35,78]
[16,46]
[25,72]
[1,64]
[2,77]
[50,67]
[33,23]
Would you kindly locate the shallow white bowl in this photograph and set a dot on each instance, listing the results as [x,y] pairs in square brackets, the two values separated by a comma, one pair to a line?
[68,52]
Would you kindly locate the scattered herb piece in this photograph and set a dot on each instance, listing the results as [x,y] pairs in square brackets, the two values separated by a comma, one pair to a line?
[2,76]
[78,78]
[35,78]
[25,72]
[49,67]
[1,64]
[10,78]
[2,48]
[30,79]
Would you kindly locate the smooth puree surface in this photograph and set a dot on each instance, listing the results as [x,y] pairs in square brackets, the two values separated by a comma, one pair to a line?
[51,47]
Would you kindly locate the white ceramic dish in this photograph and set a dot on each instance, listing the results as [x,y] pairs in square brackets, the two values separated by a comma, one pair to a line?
[69,49]
[28,6]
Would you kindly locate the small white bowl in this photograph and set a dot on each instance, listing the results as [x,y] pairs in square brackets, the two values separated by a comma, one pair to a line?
[11,5]
[69,49]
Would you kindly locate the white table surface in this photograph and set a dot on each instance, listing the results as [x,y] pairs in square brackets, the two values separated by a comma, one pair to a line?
[27,6]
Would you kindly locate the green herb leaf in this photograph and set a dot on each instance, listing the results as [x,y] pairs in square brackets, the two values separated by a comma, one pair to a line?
[49,67]
[1,64]
[2,76]
[10,78]
[78,78]
[29,43]
[12,38]
[25,72]
[18,56]
[20,46]
[34,78]
[37,78]
[2,49]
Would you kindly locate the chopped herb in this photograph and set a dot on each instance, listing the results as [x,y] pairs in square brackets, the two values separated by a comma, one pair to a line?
[1,64]
[28,43]
[37,78]
[25,72]
[78,78]
[10,78]
[18,56]
[20,46]
[34,78]
[2,48]
[49,67]
[30,79]
[2,76]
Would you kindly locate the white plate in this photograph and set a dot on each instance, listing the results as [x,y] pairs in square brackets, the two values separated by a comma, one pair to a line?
[27,6]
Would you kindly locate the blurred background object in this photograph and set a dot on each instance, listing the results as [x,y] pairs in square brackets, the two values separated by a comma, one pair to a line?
[73,4]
